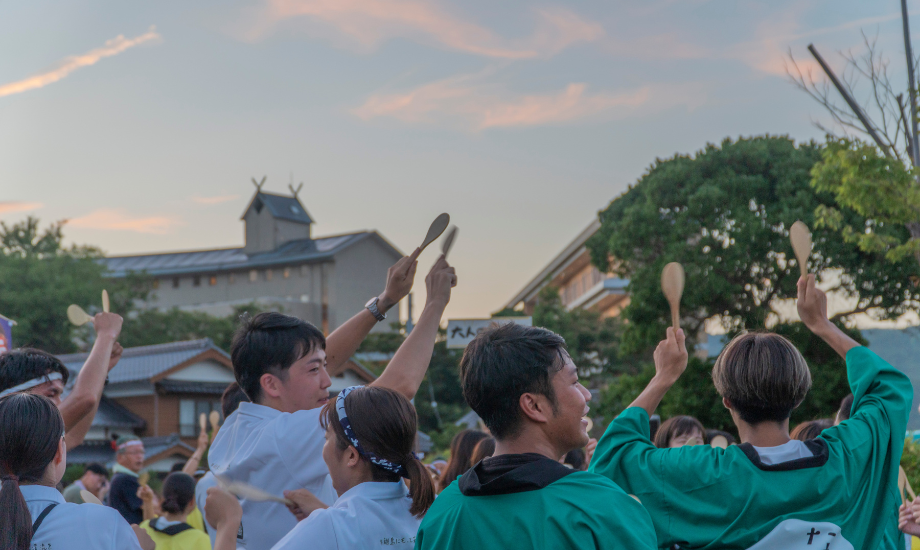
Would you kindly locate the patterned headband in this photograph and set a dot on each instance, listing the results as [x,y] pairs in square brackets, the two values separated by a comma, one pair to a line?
[28,385]
[350,434]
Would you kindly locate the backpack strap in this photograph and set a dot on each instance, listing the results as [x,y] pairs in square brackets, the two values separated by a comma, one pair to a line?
[172,529]
[41,517]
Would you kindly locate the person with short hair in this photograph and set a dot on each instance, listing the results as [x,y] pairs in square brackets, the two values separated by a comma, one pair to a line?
[524,385]
[838,490]
[33,514]
[678,431]
[275,443]
[94,478]
[35,371]
[129,458]
[171,530]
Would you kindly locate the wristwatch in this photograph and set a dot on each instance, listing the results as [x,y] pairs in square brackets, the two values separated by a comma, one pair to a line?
[371,306]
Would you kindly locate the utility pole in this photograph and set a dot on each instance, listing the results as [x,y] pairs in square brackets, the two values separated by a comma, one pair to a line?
[911,87]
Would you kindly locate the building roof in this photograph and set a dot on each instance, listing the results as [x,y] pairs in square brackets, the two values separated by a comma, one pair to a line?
[112,415]
[283,207]
[146,362]
[232,259]
[153,446]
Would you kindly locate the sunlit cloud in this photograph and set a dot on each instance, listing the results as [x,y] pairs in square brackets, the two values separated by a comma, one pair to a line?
[214,200]
[9,207]
[368,23]
[71,63]
[119,220]
[477,106]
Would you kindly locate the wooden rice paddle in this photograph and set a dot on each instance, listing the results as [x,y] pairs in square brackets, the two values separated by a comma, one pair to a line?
[144,478]
[448,241]
[904,487]
[203,421]
[214,417]
[672,284]
[243,490]
[437,227]
[89,498]
[801,244]
[77,316]
[105,300]
[718,441]
[590,425]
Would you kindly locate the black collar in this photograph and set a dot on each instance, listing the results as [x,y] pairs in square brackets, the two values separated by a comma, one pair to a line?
[171,530]
[506,474]
[817,446]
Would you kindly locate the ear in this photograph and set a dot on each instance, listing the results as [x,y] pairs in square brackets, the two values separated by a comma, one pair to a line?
[271,385]
[535,407]
[726,403]
[352,456]
[61,453]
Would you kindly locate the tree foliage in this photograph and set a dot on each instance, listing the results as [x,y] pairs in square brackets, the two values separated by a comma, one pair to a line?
[151,326]
[725,215]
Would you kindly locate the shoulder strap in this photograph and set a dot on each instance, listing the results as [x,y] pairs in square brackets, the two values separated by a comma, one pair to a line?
[172,529]
[41,517]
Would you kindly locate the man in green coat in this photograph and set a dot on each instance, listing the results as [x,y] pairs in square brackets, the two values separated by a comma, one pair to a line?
[524,386]
[838,491]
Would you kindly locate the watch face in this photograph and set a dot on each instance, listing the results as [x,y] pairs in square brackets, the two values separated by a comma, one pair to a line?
[370,302]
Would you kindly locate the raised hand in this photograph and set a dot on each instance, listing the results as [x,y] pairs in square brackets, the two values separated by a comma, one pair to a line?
[439,281]
[811,303]
[305,503]
[108,324]
[907,518]
[117,350]
[671,356]
[400,278]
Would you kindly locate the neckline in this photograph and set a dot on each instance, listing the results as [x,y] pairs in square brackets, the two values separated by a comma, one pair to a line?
[817,446]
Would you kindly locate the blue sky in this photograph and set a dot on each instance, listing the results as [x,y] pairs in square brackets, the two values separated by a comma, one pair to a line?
[143,123]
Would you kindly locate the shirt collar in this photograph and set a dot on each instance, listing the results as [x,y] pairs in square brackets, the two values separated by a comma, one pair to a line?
[374,490]
[119,469]
[33,493]
[259,411]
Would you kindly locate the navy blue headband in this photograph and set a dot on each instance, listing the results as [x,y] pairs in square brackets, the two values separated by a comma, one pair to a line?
[350,434]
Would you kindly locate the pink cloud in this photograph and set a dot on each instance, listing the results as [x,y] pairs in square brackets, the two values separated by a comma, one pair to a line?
[8,207]
[370,22]
[71,63]
[119,220]
[214,200]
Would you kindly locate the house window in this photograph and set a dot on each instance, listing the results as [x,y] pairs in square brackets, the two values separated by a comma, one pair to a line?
[253,275]
[212,280]
[156,284]
[189,412]
[175,282]
[196,280]
[287,272]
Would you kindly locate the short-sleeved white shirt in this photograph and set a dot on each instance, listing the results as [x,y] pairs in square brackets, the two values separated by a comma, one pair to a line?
[201,496]
[76,526]
[790,450]
[369,515]
[275,452]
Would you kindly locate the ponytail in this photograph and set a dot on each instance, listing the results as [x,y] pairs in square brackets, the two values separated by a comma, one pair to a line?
[421,486]
[31,429]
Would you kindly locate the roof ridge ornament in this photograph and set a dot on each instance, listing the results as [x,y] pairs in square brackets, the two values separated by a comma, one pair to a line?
[294,192]
[259,184]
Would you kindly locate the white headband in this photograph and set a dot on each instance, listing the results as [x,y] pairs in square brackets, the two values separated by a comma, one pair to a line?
[32,383]
[129,443]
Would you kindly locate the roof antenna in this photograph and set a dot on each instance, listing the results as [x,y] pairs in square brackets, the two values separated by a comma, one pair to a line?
[295,191]
[259,184]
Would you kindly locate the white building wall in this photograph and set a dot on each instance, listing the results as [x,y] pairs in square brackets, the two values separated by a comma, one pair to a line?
[361,274]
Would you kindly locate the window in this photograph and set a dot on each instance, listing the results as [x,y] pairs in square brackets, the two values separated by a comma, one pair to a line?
[189,412]
[156,284]
[196,280]
[212,280]
[175,282]
[253,275]
[287,272]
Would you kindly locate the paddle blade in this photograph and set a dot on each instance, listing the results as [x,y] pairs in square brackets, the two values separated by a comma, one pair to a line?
[672,285]
[214,417]
[801,244]
[437,227]
[77,316]
[89,498]
[105,300]
[243,490]
[719,441]
[203,421]
[144,478]
[448,241]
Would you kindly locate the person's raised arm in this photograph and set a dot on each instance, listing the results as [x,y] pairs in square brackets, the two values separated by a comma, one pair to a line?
[670,362]
[224,513]
[812,306]
[191,465]
[344,341]
[79,408]
[406,370]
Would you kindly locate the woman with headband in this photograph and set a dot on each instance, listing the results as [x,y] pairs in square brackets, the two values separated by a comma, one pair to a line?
[370,434]
[33,514]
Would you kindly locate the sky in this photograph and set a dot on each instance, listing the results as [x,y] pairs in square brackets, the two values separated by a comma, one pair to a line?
[143,123]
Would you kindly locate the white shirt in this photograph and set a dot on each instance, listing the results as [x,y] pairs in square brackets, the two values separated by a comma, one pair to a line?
[76,526]
[275,452]
[790,450]
[369,515]
[201,495]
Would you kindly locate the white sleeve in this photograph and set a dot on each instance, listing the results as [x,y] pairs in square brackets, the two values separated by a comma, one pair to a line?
[124,537]
[315,531]
[300,440]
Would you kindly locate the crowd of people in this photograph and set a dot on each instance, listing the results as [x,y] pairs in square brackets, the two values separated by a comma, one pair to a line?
[342,471]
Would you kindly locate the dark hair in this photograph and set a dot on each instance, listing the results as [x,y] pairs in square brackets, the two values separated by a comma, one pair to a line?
[576,459]
[846,407]
[504,362]
[231,399]
[31,429]
[484,449]
[177,467]
[178,491]
[96,468]
[385,423]
[676,426]
[461,456]
[762,376]
[270,343]
[24,364]
[811,429]
[729,438]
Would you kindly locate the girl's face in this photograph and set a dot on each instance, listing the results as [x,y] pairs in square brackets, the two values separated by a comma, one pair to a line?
[693,437]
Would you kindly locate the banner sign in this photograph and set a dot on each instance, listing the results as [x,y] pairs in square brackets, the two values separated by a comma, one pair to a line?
[461,332]
[6,334]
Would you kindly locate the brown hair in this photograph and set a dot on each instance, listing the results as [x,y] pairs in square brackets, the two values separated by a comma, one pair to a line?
[385,423]
[676,426]
[461,455]
[484,449]
[811,429]
[31,429]
[763,376]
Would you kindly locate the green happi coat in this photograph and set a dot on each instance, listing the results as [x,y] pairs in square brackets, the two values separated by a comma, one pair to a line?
[843,497]
[534,503]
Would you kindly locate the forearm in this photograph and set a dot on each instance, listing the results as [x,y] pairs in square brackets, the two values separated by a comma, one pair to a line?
[87,390]
[410,363]
[652,395]
[191,466]
[226,536]
[148,509]
[345,340]
[835,338]
[75,435]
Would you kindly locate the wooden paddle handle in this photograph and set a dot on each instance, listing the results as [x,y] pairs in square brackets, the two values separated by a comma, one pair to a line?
[675,316]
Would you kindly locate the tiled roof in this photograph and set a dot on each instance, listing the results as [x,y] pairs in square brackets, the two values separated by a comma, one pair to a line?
[145,362]
[112,415]
[91,451]
[227,259]
[181,386]
[286,208]
[156,445]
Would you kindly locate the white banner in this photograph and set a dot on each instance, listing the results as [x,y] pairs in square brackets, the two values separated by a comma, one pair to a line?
[461,332]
